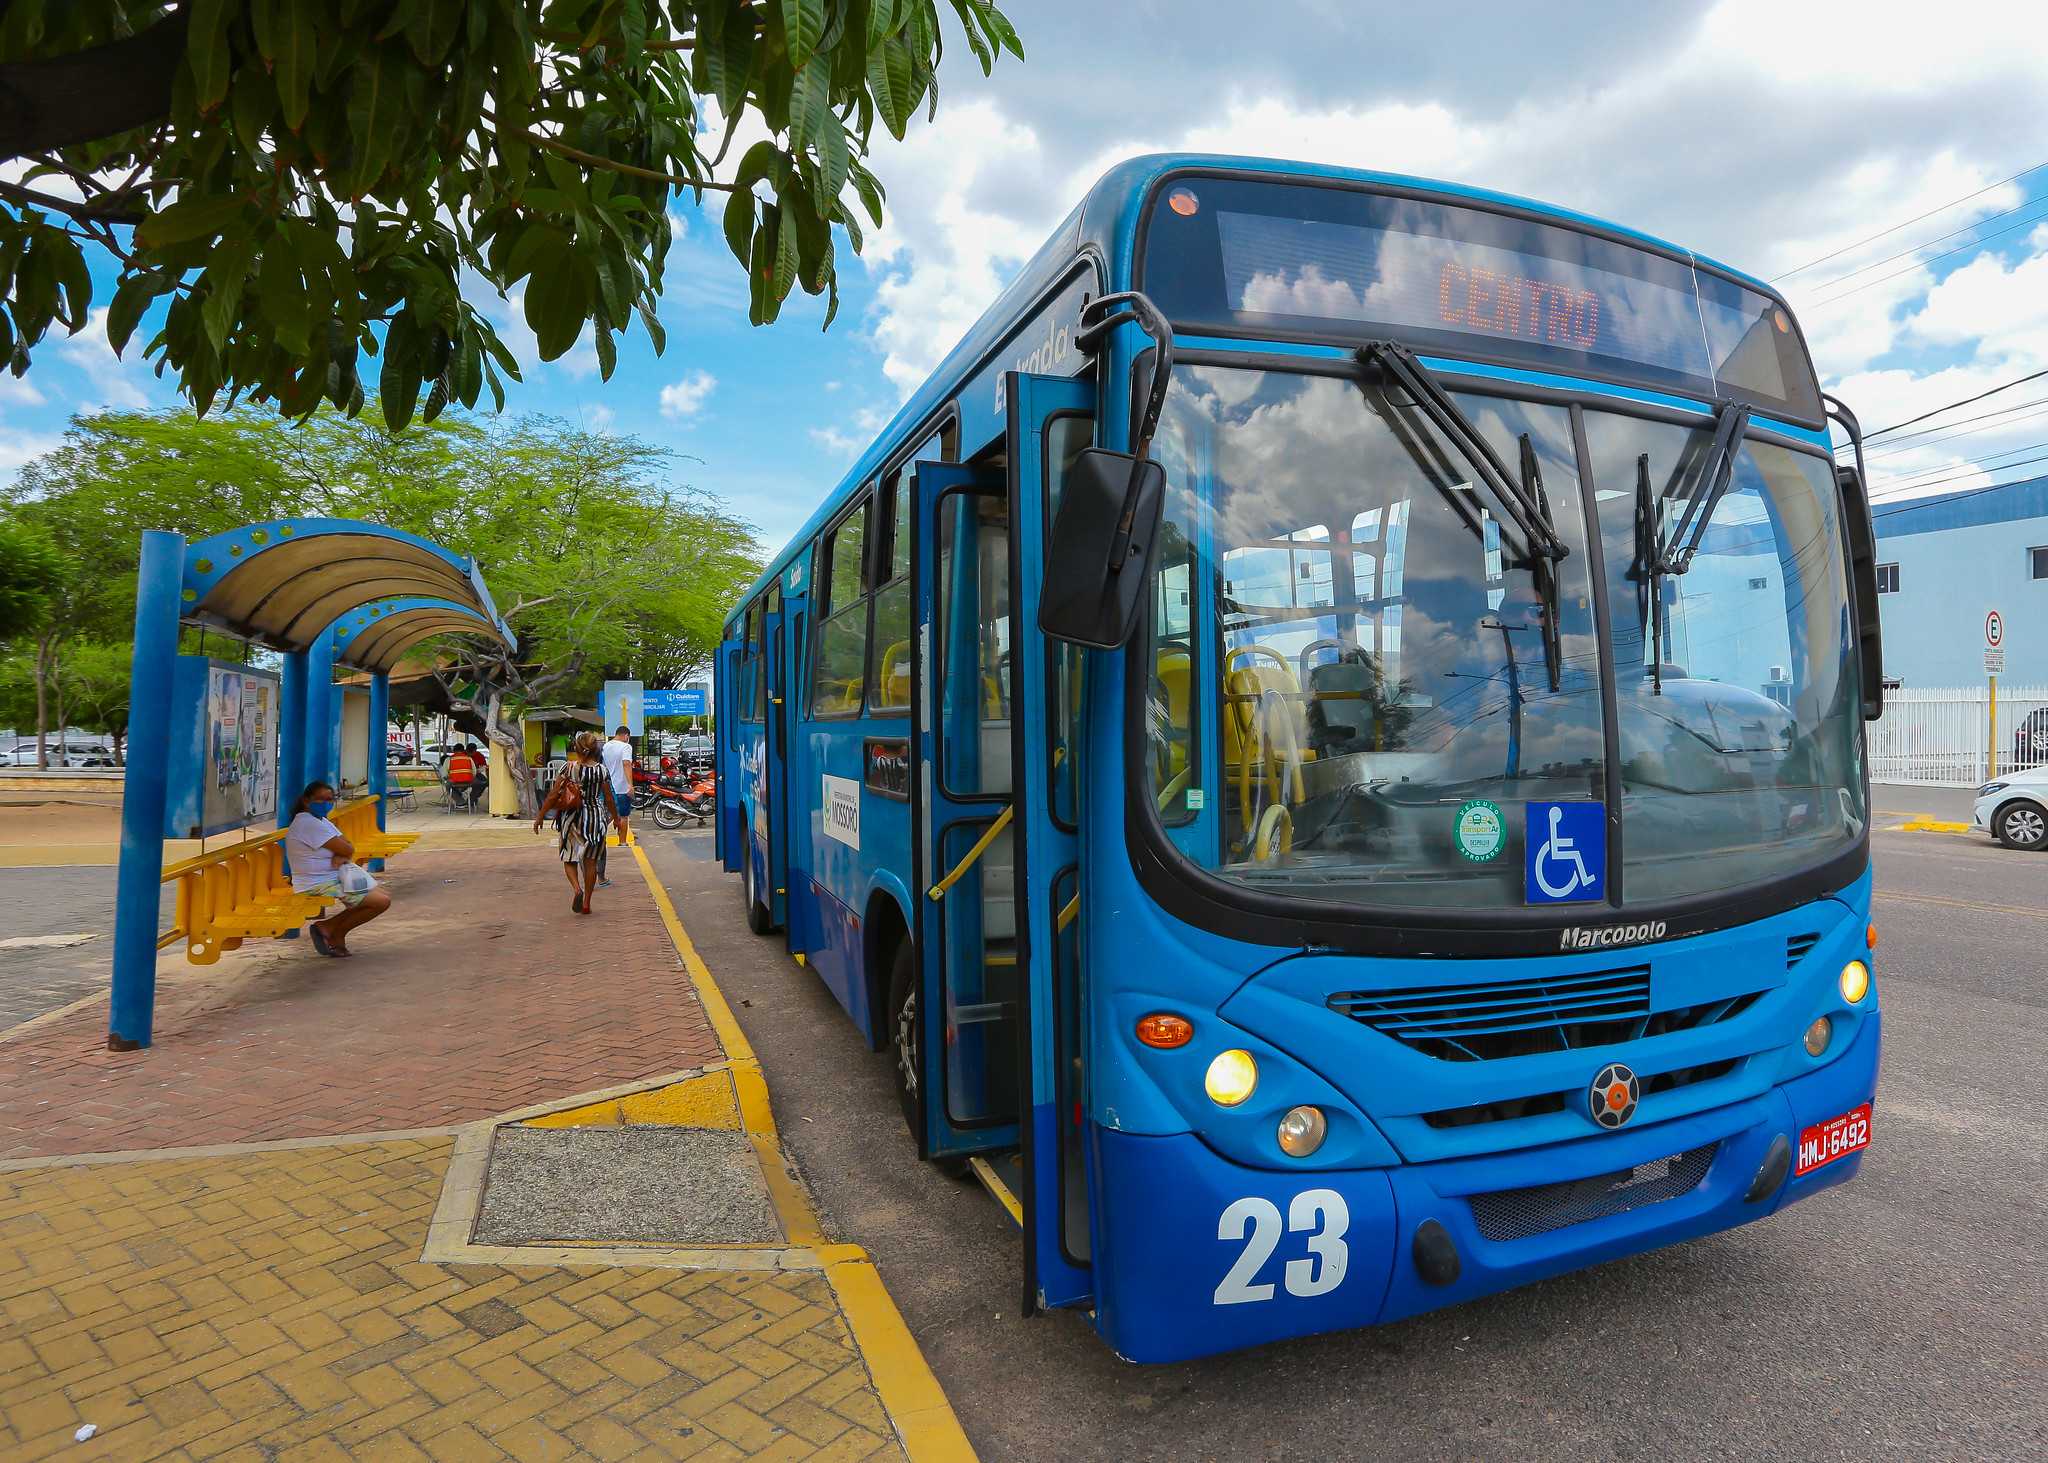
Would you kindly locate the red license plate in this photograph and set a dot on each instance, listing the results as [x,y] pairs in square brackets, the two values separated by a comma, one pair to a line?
[1835,1138]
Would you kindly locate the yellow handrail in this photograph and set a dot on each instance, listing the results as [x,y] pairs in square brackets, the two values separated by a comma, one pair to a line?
[939,889]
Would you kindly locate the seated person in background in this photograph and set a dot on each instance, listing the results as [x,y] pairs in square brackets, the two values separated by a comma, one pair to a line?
[320,857]
[465,774]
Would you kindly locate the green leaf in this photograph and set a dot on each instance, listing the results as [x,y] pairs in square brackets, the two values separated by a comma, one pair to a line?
[803,21]
[296,48]
[965,10]
[894,84]
[736,60]
[131,300]
[375,104]
[835,157]
[433,28]
[786,262]
[810,104]
[739,227]
[283,295]
[881,22]
[206,49]
[223,278]
[557,298]
[194,218]
[252,107]
[607,354]
[655,332]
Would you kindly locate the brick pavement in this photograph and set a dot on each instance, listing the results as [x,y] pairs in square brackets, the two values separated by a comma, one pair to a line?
[468,999]
[270,1307]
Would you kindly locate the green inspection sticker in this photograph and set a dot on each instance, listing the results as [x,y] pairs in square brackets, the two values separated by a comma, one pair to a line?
[1482,831]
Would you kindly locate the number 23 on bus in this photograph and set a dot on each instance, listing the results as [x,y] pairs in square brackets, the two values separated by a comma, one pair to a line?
[1325,743]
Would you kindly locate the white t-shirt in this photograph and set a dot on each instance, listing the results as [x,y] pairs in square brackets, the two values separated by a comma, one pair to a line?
[302,846]
[616,755]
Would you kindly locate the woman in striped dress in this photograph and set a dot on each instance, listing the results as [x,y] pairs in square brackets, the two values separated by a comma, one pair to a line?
[583,827]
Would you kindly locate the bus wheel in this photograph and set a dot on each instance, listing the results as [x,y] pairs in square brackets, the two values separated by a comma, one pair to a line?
[759,920]
[906,1038]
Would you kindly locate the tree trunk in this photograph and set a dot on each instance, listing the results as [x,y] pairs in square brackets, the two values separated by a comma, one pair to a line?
[44,644]
[513,740]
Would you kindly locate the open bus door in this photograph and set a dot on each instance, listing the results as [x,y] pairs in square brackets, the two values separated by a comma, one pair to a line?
[997,838]
[776,666]
[1051,419]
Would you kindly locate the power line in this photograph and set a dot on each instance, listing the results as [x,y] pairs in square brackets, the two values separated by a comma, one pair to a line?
[1909,222]
[2019,381]
[1950,467]
[1961,476]
[1923,263]
[1937,434]
[1955,497]
[1965,229]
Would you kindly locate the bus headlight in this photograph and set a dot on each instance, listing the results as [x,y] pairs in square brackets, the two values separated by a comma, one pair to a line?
[1855,981]
[1302,1131]
[1232,1077]
[1818,1036]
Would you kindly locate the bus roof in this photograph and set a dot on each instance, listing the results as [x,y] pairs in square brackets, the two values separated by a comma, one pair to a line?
[1105,223]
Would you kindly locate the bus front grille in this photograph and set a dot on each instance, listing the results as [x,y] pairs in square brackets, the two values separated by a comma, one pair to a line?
[1481,1023]
[1466,1023]
[1518,1213]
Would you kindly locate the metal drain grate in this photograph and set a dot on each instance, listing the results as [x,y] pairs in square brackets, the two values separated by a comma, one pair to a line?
[1519,1213]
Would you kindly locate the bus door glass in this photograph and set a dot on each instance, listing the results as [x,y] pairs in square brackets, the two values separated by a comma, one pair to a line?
[967,935]
[1051,419]
[774,752]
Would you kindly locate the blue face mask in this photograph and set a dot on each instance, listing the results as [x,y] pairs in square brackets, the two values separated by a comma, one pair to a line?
[320,810]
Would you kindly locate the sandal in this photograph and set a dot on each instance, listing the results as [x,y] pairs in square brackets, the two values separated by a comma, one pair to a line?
[576,904]
[320,941]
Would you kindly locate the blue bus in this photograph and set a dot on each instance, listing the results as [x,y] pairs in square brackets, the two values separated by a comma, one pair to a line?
[1327,742]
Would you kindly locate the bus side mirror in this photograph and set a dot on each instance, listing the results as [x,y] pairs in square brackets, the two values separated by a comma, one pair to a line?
[1103,541]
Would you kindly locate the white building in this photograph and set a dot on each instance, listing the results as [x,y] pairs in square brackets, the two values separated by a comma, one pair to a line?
[1946,563]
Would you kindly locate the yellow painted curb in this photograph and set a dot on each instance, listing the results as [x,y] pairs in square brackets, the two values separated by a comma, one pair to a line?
[696,1102]
[924,1420]
[1925,824]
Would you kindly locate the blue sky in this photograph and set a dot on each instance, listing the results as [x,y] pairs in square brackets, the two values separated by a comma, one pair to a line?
[1766,133]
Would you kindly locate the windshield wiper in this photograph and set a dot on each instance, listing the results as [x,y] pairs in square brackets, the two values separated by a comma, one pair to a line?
[1716,473]
[1659,553]
[1527,505]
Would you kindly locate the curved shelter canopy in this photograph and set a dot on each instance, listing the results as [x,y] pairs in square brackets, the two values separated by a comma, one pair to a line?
[281,583]
[375,637]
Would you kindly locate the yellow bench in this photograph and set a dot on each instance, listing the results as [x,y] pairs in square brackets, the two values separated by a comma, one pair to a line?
[242,891]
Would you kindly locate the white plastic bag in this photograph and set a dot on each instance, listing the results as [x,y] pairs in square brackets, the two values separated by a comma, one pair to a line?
[355,879]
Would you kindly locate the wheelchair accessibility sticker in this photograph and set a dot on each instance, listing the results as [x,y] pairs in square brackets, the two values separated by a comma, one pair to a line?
[1566,846]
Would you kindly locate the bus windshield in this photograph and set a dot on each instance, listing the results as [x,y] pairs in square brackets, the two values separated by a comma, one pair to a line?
[1356,687]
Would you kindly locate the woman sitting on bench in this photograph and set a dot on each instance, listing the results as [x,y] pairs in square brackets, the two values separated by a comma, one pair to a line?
[320,857]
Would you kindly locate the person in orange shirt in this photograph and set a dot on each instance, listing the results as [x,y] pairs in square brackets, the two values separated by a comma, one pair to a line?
[465,776]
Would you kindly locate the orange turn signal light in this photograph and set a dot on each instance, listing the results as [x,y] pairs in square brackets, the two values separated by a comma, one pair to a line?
[1164,1029]
[1870,936]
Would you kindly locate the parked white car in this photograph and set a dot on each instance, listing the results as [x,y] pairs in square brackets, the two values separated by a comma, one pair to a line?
[2014,809]
[74,753]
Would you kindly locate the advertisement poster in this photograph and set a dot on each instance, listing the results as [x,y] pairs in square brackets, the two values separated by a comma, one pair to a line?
[241,739]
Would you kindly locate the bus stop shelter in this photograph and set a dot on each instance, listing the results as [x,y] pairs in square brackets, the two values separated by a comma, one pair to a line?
[321,592]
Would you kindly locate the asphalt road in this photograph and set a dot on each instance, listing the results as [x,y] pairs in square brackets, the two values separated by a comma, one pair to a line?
[59,901]
[1904,1315]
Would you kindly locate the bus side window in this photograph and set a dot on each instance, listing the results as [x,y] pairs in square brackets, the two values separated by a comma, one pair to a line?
[839,665]
[752,698]
[1066,435]
[889,671]
[973,594]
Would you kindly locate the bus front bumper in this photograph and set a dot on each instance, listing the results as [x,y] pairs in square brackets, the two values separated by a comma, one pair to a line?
[1195,1254]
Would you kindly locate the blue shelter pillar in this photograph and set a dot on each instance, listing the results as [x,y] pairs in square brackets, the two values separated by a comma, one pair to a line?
[291,735]
[323,714]
[380,767]
[159,578]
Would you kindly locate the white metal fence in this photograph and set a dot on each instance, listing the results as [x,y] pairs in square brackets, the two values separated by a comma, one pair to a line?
[1943,736]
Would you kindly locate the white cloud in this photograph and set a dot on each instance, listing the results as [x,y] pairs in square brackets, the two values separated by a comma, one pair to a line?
[685,398]
[18,447]
[849,441]
[116,382]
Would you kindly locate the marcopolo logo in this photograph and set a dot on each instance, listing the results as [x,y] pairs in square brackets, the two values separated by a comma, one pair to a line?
[1581,937]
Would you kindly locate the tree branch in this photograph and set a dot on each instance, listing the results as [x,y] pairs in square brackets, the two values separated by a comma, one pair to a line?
[579,155]
[89,95]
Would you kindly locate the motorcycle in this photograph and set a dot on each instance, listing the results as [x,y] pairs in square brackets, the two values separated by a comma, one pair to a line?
[675,801]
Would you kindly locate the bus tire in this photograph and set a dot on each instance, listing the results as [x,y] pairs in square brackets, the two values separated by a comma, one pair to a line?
[905,1035]
[759,919]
